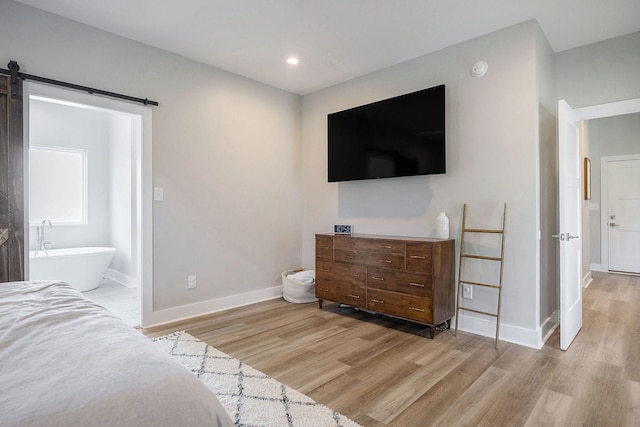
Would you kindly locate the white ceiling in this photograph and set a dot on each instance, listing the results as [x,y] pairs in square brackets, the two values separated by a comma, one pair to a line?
[336,40]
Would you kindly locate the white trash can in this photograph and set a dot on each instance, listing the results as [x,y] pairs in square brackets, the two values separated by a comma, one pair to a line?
[299,286]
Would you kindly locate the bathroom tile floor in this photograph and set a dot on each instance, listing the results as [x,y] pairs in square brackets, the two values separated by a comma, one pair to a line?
[118,299]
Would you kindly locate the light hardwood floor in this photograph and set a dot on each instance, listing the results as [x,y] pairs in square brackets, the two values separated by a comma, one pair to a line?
[384,372]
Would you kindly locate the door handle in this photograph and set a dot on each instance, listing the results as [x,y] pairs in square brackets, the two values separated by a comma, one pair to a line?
[565,236]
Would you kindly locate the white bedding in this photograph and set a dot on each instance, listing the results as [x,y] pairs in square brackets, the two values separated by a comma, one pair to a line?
[66,361]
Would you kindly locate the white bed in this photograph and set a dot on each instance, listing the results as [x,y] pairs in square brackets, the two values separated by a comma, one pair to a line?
[66,361]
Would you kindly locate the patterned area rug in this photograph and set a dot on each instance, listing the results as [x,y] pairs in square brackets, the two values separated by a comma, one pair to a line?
[250,397]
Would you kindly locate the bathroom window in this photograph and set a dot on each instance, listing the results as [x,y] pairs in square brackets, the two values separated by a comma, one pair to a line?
[57,185]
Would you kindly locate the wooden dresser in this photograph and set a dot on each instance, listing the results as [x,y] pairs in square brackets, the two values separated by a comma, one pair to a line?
[408,278]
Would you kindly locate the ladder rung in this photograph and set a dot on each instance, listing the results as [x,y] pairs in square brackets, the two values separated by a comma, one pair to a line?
[480,284]
[490,258]
[478,311]
[481,230]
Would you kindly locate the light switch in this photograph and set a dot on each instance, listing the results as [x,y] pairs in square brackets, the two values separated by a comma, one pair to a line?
[158,194]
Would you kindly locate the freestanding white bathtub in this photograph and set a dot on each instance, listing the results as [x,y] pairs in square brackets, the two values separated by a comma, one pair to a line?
[82,268]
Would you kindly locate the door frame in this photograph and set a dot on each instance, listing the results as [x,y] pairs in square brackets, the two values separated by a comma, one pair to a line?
[143,161]
[604,205]
[599,111]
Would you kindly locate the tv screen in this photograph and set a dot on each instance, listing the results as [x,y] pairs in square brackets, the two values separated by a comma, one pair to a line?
[401,136]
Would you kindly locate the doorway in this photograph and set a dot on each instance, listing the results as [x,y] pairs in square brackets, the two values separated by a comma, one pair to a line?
[115,212]
[613,131]
[569,288]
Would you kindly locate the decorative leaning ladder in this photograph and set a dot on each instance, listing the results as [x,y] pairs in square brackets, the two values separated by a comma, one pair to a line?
[499,259]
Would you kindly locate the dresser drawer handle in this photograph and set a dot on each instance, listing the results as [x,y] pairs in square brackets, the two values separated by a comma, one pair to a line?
[417,257]
[347,256]
[377,301]
[385,260]
[387,246]
[417,285]
[380,279]
[324,289]
[324,269]
[354,296]
[326,247]
[421,310]
[355,275]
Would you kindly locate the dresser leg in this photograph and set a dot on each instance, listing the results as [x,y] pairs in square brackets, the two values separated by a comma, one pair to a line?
[320,302]
[432,331]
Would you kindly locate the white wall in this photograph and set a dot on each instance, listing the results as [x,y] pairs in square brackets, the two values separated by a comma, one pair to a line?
[61,125]
[225,150]
[492,132]
[122,202]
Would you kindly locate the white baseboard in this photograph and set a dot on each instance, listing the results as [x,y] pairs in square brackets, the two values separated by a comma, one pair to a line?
[597,267]
[548,326]
[184,312]
[514,334]
[586,280]
[123,279]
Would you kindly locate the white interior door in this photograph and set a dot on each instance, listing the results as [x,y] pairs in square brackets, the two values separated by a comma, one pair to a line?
[570,193]
[623,205]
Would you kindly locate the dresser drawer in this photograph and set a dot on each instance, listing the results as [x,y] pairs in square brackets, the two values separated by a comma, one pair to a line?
[324,247]
[394,261]
[346,243]
[336,272]
[341,292]
[398,281]
[401,305]
[380,246]
[419,257]
[350,256]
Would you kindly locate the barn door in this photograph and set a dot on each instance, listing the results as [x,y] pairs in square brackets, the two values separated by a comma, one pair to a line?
[11,183]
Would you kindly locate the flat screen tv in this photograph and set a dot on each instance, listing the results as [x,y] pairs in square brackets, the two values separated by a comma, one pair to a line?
[400,136]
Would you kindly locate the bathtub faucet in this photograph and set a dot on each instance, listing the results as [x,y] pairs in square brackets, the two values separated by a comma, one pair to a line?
[42,242]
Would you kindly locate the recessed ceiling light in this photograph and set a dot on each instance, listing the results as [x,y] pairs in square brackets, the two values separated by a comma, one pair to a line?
[293,60]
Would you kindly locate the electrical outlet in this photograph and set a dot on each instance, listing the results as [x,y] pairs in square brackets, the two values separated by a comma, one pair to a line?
[467,291]
[191,282]
[158,194]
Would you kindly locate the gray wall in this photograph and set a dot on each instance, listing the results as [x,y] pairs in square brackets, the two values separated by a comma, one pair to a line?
[225,149]
[596,74]
[245,183]
[599,73]
[492,131]
[547,181]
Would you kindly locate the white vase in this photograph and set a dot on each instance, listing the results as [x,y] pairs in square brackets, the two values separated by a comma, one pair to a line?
[442,226]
